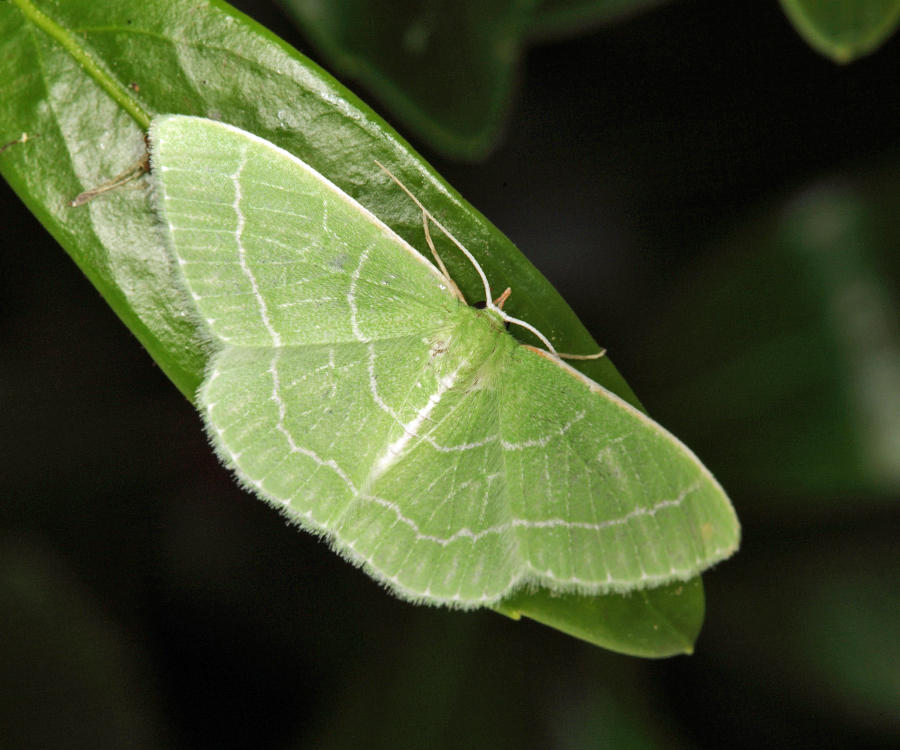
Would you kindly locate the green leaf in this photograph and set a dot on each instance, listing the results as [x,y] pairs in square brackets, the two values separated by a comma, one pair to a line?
[662,622]
[844,30]
[445,70]
[83,78]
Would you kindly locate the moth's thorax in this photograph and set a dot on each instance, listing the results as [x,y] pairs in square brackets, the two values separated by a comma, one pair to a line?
[474,345]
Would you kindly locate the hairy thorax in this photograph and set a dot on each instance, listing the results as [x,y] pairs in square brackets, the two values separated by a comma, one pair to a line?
[473,347]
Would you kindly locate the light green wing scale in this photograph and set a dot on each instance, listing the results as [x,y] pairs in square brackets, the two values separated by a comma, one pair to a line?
[352,390]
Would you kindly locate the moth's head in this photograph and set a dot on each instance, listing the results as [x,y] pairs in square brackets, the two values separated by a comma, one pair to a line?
[492,315]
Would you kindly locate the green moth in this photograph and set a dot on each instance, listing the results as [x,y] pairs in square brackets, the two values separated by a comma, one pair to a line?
[352,389]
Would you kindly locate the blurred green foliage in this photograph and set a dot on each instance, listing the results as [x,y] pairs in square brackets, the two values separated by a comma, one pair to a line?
[558,17]
[844,29]
[795,359]
[444,69]
[447,70]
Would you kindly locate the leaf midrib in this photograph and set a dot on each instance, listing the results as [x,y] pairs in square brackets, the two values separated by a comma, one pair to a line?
[79,53]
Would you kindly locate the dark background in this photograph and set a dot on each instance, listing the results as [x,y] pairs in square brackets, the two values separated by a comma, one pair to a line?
[147,602]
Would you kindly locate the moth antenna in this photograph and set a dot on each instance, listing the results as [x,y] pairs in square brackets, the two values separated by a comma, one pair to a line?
[487,287]
[595,355]
[488,296]
[528,327]
[447,277]
[139,168]
[425,222]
